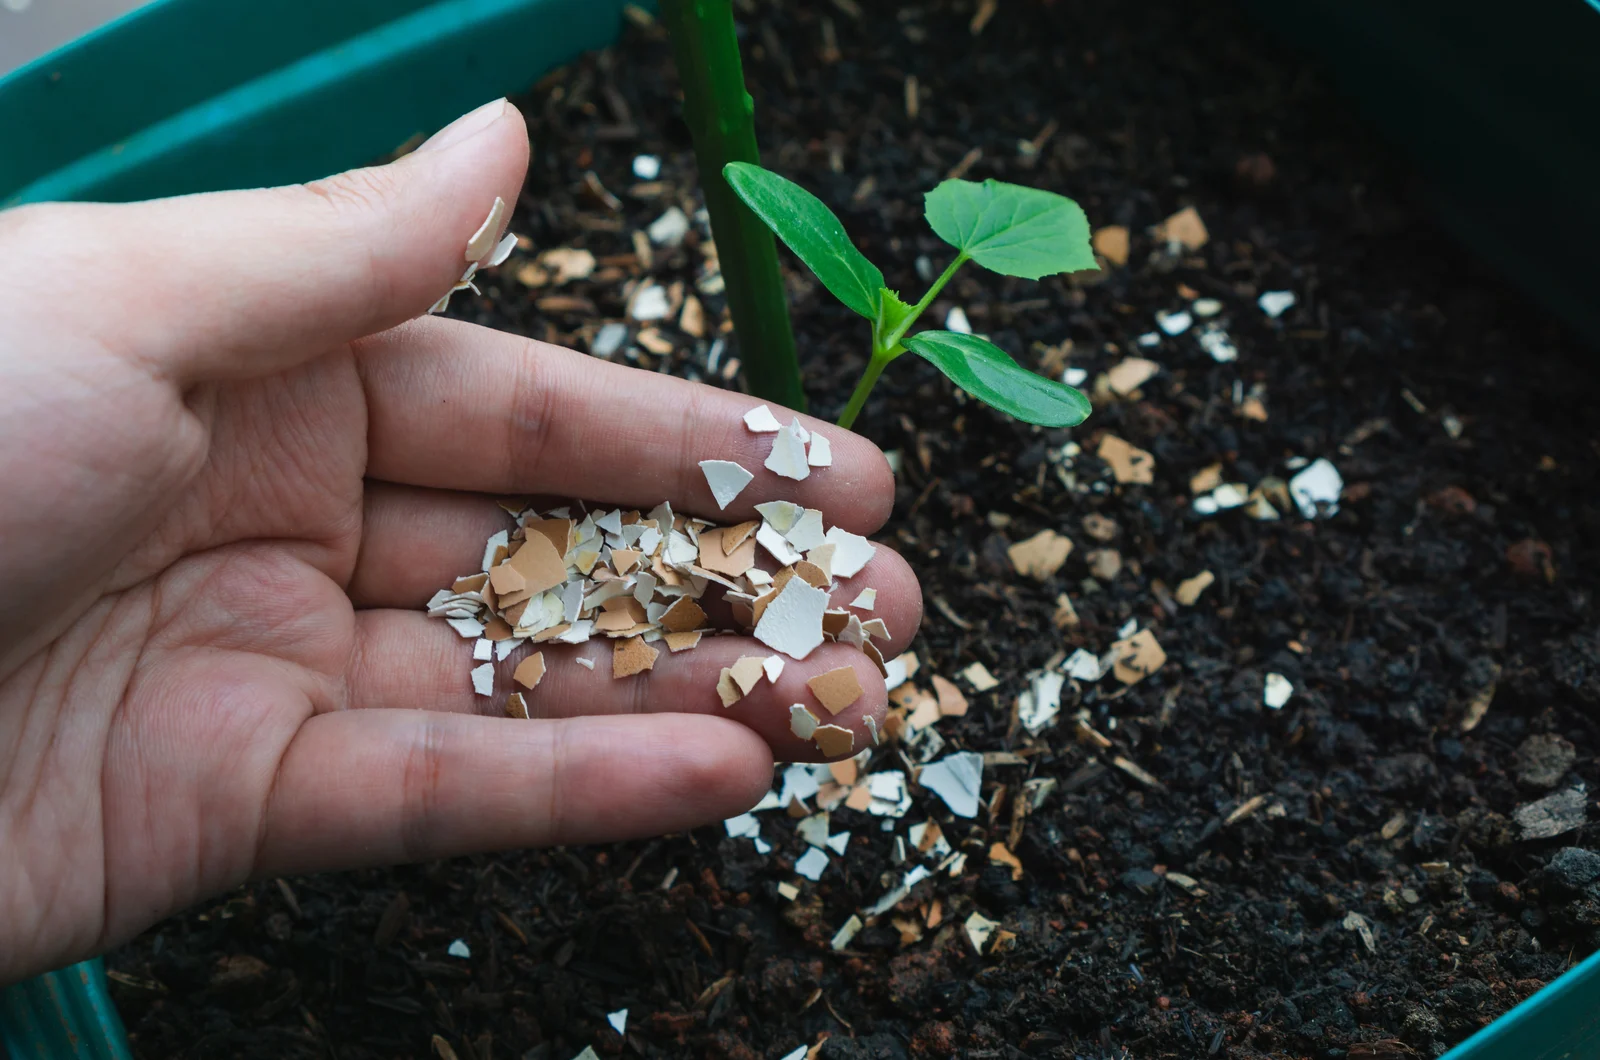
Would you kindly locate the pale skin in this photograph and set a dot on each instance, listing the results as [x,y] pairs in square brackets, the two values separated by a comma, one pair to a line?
[234,464]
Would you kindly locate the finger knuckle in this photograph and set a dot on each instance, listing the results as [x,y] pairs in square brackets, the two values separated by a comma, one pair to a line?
[420,777]
[532,415]
[373,188]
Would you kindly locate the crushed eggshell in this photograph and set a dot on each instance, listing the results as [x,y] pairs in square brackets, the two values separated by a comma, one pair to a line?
[1084,666]
[979,677]
[761,420]
[569,264]
[788,456]
[814,830]
[807,532]
[811,864]
[957,779]
[726,479]
[1206,479]
[530,671]
[842,937]
[792,622]
[836,689]
[670,228]
[980,929]
[1184,228]
[488,234]
[1276,692]
[952,704]
[637,579]
[1213,338]
[865,600]
[1137,657]
[1129,464]
[820,452]
[1111,243]
[683,616]
[1041,555]
[1276,303]
[1001,854]
[1316,489]
[747,673]
[802,722]
[834,741]
[517,707]
[924,713]
[852,552]
[1174,323]
[744,826]
[1039,705]
[1104,563]
[1189,590]
[632,656]
[714,556]
[649,303]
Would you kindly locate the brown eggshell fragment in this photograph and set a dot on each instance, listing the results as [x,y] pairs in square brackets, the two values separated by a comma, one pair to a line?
[836,689]
[834,741]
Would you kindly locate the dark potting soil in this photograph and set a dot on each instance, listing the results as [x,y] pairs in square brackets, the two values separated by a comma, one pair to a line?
[1360,888]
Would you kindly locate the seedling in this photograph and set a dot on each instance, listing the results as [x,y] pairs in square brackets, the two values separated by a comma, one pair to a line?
[1008,229]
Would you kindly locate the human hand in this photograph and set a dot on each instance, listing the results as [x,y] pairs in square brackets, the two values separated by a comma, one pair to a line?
[232,475]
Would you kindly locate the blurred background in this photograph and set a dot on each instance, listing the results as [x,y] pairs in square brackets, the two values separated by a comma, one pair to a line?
[29,28]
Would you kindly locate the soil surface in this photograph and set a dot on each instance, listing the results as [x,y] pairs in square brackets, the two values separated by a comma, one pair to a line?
[1357,884]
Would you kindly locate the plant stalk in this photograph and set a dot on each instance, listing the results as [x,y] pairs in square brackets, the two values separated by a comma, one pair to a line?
[869,378]
[720,115]
[886,348]
[893,339]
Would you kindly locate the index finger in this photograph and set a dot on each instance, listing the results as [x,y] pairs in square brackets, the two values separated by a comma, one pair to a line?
[455,406]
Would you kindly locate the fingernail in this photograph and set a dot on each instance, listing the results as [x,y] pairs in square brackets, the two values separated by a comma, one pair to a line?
[464,127]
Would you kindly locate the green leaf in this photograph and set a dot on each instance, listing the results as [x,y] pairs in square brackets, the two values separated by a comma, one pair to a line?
[892,313]
[1012,230]
[986,372]
[811,230]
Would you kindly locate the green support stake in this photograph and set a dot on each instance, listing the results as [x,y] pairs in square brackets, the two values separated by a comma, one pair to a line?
[720,114]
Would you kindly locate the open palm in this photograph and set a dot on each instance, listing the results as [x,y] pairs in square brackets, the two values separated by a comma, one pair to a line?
[230,476]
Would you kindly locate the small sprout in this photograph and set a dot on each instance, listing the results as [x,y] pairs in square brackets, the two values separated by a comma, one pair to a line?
[1005,228]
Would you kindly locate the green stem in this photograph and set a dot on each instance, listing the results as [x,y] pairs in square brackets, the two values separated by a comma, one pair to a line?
[887,347]
[869,378]
[719,112]
[893,338]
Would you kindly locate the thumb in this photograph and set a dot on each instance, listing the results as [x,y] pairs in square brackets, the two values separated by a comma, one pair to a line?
[243,283]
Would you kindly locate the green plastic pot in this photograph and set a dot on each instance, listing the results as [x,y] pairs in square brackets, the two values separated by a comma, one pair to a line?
[1498,107]
[199,95]
[1560,1022]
